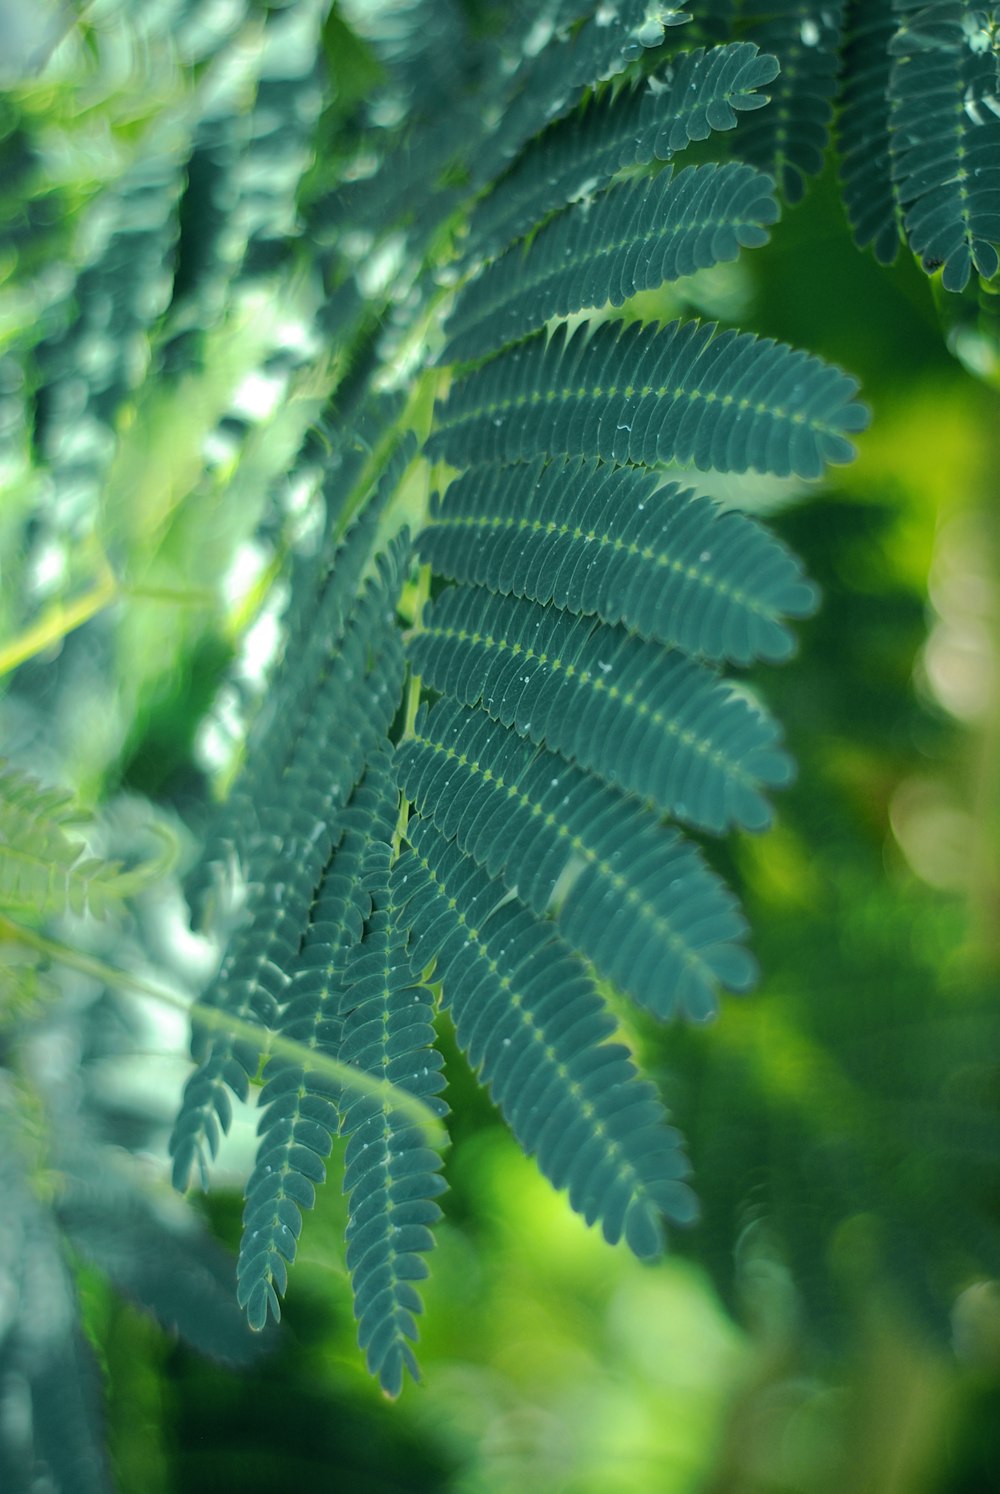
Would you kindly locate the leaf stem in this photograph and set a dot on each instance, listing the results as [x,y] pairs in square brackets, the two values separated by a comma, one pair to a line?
[414,686]
[56,622]
[226,1022]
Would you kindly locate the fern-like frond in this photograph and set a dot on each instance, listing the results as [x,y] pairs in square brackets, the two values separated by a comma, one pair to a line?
[324,590]
[684,392]
[864,136]
[392,1176]
[946,161]
[632,895]
[43,871]
[299,1107]
[642,717]
[789,138]
[549,82]
[634,237]
[524,81]
[608,540]
[530,1020]
[355,701]
[700,92]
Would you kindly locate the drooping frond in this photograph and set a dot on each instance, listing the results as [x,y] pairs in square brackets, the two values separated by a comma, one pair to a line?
[607,540]
[354,702]
[642,717]
[653,120]
[864,135]
[299,1112]
[530,1020]
[392,1176]
[323,594]
[632,895]
[634,237]
[790,137]
[257,210]
[44,872]
[684,392]
[549,82]
[946,127]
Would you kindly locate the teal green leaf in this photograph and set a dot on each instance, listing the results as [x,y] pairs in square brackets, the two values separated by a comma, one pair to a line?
[946,160]
[864,135]
[644,718]
[299,1112]
[653,119]
[633,237]
[629,893]
[789,138]
[392,1176]
[324,590]
[530,1020]
[685,393]
[356,698]
[608,540]
[547,81]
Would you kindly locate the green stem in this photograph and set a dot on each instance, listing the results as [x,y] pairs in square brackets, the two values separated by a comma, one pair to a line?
[57,621]
[232,1026]
[414,687]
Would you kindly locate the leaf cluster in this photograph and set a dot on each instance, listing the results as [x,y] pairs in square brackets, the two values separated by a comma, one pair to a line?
[502,706]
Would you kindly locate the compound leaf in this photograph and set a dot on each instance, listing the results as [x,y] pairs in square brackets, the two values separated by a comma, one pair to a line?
[632,895]
[634,237]
[529,1019]
[609,540]
[644,718]
[684,392]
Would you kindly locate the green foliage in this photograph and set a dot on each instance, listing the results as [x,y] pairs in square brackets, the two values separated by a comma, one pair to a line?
[646,395]
[634,897]
[43,872]
[918,128]
[610,540]
[43,1352]
[518,798]
[354,700]
[634,237]
[645,719]
[66,1190]
[863,131]
[789,139]
[530,1021]
[946,136]
[649,120]
[390,1172]
[445,800]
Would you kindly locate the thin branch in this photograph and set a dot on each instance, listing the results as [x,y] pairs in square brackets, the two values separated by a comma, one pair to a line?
[272,1043]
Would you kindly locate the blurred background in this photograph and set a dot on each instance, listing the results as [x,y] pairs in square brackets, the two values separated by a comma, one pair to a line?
[168,347]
